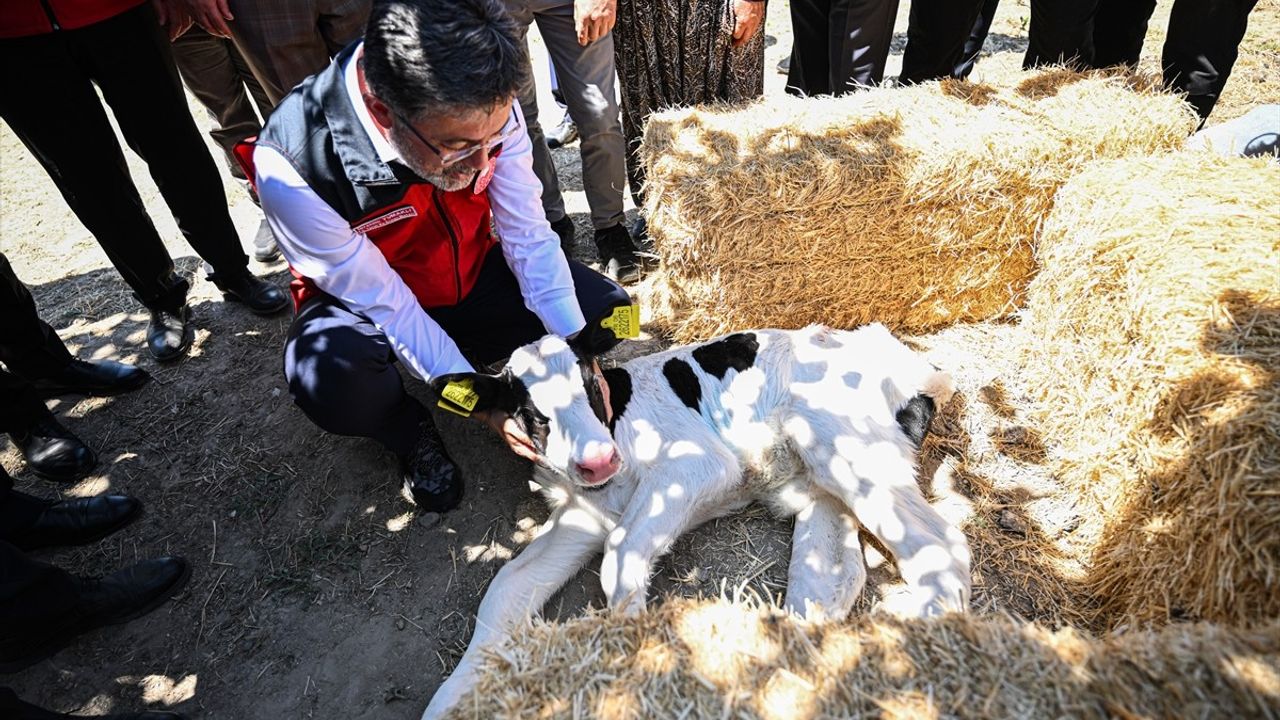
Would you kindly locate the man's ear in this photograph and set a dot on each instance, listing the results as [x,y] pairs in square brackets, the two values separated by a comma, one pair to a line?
[378,110]
[465,393]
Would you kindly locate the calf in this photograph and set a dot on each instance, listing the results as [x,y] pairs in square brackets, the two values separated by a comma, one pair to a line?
[821,425]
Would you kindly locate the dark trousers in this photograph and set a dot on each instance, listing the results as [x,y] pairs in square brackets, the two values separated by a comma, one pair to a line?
[1061,33]
[839,45]
[220,78]
[341,367]
[47,97]
[29,348]
[1200,47]
[936,37]
[32,593]
[977,38]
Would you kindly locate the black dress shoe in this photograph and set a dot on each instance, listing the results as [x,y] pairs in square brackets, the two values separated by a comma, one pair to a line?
[617,253]
[114,599]
[259,295]
[170,333]
[54,452]
[431,480]
[101,377]
[77,522]
[564,228]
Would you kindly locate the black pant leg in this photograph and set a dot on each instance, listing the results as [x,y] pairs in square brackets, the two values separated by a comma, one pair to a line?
[13,708]
[342,374]
[492,320]
[1119,29]
[977,38]
[129,58]
[1202,46]
[860,34]
[18,511]
[28,346]
[810,60]
[1061,32]
[936,36]
[33,595]
[48,100]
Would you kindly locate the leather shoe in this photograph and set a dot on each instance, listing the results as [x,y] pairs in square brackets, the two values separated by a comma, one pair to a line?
[265,248]
[260,296]
[170,333]
[79,521]
[54,452]
[431,480]
[617,253]
[564,228]
[114,599]
[101,377]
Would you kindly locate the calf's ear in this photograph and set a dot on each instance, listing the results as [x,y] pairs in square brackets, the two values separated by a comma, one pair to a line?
[465,393]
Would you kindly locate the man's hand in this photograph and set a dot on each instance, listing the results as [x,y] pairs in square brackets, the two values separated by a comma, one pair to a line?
[212,15]
[510,432]
[173,17]
[593,19]
[748,16]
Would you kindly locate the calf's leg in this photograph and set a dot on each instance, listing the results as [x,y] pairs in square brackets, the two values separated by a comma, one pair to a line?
[827,572]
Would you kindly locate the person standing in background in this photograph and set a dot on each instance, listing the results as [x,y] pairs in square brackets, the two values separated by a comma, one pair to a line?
[671,53]
[56,52]
[839,45]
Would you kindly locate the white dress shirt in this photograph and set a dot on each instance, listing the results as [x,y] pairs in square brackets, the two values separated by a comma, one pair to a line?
[320,245]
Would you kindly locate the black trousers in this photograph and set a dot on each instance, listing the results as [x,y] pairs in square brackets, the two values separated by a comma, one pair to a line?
[1061,32]
[977,38]
[936,37]
[47,97]
[29,348]
[341,367]
[32,593]
[839,45]
[1200,47]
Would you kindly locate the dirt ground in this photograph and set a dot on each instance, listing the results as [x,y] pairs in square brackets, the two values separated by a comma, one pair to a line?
[317,592]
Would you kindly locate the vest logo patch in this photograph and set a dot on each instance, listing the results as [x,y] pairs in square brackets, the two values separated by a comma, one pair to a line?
[386,218]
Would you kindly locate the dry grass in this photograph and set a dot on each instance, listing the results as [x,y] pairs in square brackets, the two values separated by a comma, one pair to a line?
[1154,353]
[691,659]
[916,207]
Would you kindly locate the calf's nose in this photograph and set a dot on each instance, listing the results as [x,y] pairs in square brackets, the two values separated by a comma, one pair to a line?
[598,464]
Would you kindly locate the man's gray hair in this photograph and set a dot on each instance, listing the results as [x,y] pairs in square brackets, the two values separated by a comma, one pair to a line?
[430,56]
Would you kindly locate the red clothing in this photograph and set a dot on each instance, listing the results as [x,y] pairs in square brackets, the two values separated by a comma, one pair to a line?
[21,18]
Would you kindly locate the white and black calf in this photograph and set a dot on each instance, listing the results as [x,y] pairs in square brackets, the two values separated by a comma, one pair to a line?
[821,425]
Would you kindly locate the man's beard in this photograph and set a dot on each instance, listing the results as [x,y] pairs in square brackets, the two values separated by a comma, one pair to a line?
[454,177]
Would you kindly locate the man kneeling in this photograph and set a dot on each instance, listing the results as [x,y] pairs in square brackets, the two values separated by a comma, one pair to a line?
[400,185]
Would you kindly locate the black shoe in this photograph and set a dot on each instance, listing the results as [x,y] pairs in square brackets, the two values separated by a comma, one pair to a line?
[101,377]
[431,480]
[784,65]
[259,295]
[170,333]
[77,522]
[563,134]
[265,249]
[114,599]
[618,254]
[564,228]
[53,452]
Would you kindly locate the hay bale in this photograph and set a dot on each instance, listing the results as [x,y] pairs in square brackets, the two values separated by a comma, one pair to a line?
[913,206]
[1153,354]
[702,660]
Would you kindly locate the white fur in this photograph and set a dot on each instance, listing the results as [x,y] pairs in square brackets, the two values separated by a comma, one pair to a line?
[809,429]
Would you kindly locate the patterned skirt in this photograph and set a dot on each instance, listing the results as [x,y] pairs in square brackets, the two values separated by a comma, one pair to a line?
[673,53]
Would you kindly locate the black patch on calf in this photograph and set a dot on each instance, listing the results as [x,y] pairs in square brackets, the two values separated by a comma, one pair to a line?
[737,351]
[683,380]
[914,418]
[619,381]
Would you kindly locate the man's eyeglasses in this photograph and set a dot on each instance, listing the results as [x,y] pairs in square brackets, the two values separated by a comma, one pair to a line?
[450,157]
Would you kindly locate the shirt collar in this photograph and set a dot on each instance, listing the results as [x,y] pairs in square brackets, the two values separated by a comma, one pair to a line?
[386,153]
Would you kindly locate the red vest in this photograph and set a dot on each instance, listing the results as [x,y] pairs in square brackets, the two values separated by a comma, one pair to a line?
[435,240]
[20,18]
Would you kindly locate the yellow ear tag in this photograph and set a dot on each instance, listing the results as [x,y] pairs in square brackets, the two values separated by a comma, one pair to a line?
[624,322]
[459,398]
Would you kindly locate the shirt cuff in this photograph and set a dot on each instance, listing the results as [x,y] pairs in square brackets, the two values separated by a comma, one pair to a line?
[562,317]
